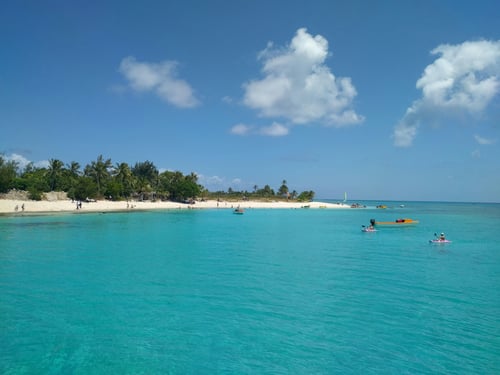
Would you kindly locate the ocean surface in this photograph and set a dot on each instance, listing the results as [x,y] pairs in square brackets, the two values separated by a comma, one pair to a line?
[273,291]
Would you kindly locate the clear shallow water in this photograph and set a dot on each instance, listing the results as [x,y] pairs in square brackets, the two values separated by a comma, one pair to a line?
[268,292]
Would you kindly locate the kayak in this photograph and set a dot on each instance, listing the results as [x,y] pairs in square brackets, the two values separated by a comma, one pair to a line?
[439,241]
[398,222]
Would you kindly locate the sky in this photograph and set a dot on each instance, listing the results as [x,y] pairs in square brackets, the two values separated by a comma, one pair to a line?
[384,100]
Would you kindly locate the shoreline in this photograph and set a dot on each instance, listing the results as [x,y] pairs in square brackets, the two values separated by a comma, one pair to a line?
[15,207]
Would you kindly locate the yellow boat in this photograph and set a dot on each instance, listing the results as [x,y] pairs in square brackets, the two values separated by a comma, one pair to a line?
[398,222]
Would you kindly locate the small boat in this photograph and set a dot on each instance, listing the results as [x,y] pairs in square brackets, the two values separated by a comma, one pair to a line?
[439,241]
[358,205]
[398,222]
[382,206]
[239,211]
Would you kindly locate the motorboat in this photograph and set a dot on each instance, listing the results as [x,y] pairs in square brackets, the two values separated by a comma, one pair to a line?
[398,222]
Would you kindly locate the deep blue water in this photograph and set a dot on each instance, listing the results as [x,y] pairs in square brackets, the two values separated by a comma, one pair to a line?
[268,292]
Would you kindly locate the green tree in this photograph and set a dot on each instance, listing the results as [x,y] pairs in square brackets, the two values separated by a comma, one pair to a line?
[55,173]
[85,188]
[34,180]
[283,190]
[170,182]
[147,176]
[188,187]
[123,176]
[71,176]
[306,196]
[8,173]
[179,187]
[99,171]
[266,192]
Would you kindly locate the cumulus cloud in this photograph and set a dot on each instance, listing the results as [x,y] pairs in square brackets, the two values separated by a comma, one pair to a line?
[274,130]
[215,183]
[236,182]
[463,79]
[22,162]
[160,78]
[210,180]
[298,86]
[241,129]
[483,140]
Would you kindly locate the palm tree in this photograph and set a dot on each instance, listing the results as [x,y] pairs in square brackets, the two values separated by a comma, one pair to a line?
[55,172]
[283,190]
[99,171]
[73,168]
[71,175]
[123,176]
[8,173]
[147,176]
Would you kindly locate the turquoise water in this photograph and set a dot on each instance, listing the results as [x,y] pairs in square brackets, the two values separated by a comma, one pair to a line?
[268,292]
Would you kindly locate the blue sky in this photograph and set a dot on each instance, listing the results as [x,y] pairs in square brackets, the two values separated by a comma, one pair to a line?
[384,100]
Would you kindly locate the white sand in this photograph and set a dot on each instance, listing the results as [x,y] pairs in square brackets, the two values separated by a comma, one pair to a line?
[8,206]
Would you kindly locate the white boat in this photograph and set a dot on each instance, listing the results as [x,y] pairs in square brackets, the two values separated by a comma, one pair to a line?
[238,211]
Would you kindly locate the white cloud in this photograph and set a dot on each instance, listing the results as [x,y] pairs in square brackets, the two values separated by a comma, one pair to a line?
[241,129]
[216,183]
[463,79]
[236,182]
[298,86]
[160,78]
[274,130]
[484,141]
[404,134]
[22,162]
[210,180]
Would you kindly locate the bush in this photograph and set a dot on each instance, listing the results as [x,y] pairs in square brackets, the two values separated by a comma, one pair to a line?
[35,195]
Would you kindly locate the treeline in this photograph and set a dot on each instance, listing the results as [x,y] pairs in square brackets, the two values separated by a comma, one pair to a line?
[101,179]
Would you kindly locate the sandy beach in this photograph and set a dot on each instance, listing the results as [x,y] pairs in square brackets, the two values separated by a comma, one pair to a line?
[16,206]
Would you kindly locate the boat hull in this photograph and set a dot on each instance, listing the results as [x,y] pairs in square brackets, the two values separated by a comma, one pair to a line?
[398,223]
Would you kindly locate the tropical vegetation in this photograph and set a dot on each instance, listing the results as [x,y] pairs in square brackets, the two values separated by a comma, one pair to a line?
[101,179]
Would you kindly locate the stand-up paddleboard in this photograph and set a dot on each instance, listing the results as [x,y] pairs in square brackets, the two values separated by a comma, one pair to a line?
[439,241]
